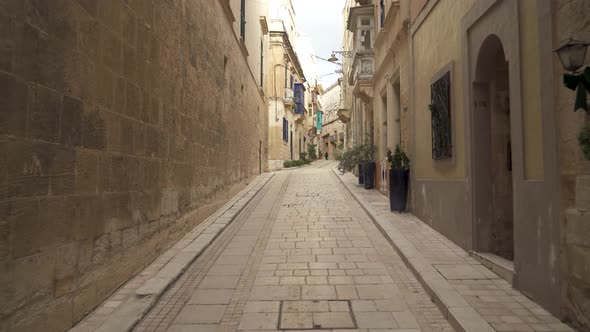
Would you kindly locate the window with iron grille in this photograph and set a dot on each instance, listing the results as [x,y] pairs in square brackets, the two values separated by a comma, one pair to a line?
[440,109]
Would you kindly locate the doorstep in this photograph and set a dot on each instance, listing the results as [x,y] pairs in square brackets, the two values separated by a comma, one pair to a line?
[472,297]
[501,266]
[129,304]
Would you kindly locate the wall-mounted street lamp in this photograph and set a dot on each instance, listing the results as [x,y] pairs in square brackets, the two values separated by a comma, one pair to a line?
[346,54]
[572,55]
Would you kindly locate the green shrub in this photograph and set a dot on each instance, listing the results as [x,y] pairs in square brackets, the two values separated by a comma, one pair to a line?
[399,159]
[311,151]
[295,163]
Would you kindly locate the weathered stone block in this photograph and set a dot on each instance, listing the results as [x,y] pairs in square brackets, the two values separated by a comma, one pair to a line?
[7,43]
[85,213]
[59,314]
[27,233]
[583,193]
[44,113]
[109,13]
[93,130]
[103,86]
[71,122]
[146,206]
[84,259]
[90,6]
[64,286]
[13,105]
[6,286]
[579,262]
[54,220]
[66,257]
[86,172]
[101,249]
[40,58]
[117,211]
[129,237]
[134,99]
[84,301]
[130,63]
[33,277]
[577,228]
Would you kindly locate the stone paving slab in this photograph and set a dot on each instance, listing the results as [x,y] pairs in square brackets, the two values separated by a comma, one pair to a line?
[472,297]
[122,310]
[302,255]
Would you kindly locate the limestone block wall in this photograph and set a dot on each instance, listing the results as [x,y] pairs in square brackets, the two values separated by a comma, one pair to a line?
[570,19]
[122,125]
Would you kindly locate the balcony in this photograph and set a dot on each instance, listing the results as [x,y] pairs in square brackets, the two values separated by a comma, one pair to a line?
[361,70]
[344,115]
[361,74]
[289,98]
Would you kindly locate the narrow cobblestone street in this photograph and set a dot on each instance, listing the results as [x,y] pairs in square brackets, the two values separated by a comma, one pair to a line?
[301,255]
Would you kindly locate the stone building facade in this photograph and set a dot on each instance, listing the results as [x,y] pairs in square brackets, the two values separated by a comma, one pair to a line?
[286,89]
[489,127]
[570,19]
[489,177]
[123,124]
[333,134]
[377,88]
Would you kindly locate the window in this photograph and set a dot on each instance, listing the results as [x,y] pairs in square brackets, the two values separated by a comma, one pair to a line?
[286,75]
[261,62]
[299,93]
[285,130]
[291,83]
[366,39]
[440,109]
[243,20]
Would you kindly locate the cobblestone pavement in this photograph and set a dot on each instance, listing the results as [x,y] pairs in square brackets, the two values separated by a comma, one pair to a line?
[301,256]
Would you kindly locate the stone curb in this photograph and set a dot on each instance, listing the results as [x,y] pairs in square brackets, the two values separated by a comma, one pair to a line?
[461,315]
[178,257]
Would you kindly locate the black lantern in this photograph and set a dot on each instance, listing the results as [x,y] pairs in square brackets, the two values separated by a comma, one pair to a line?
[572,54]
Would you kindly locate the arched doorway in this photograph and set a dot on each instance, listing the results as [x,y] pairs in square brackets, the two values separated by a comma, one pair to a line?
[492,148]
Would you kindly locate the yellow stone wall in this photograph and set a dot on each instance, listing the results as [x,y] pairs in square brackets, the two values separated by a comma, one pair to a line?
[437,43]
[530,88]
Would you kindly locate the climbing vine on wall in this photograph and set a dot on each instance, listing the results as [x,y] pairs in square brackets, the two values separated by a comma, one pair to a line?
[440,109]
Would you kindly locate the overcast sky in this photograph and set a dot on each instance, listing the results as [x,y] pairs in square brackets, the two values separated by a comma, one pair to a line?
[321,21]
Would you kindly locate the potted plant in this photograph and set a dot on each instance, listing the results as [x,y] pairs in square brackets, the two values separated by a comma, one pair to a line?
[367,160]
[399,172]
[361,173]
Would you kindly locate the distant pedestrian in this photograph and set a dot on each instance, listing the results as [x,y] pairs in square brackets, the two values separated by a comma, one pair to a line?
[326,155]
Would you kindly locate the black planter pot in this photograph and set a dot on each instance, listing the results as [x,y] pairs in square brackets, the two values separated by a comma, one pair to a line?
[369,169]
[361,174]
[398,189]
